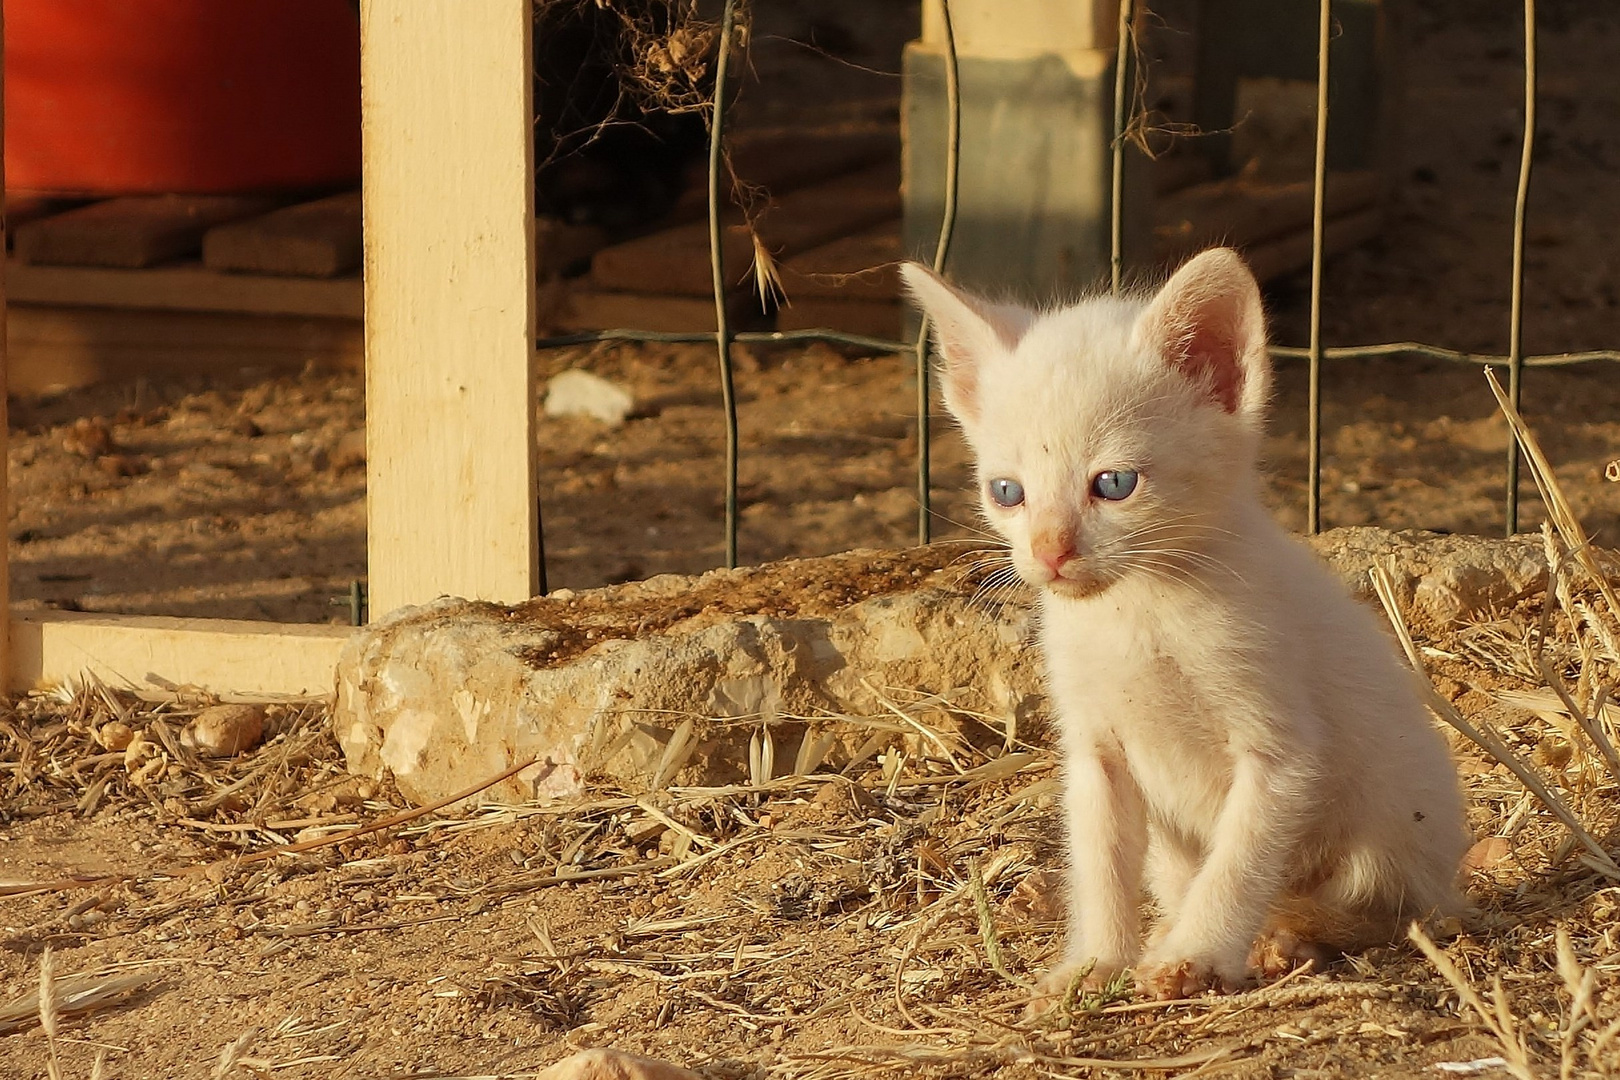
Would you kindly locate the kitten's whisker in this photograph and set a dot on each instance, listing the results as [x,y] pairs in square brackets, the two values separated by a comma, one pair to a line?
[998,588]
[1179,525]
[1168,572]
[1185,562]
[982,532]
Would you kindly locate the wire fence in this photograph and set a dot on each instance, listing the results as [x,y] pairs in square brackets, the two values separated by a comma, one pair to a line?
[1125,56]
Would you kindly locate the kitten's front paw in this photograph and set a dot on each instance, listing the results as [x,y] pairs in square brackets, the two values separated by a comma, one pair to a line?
[1175,980]
[1055,987]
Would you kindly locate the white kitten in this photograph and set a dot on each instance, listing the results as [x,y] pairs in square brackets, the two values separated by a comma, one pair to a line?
[1233,726]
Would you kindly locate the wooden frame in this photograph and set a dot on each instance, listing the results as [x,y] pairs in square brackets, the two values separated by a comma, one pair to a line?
[450,331]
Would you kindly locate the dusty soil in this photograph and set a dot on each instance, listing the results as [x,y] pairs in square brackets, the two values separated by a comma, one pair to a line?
[746,931]
[243,498]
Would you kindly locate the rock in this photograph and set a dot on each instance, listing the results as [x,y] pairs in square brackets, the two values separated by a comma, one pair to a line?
[118,465]
[350,451]
[446,695]
[1487,853]
[138,751]
[1440,581]
[580,393]
[89,437]
[225,730]
[601,1064]
[115,735]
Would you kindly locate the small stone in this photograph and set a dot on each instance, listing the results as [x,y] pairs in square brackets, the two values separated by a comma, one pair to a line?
[248,427]
[579,393]
[137,751]
[118,465]
[89,437]
[115,735]
[1487,853]
[1553,752]
[350,451]
[601,1064]
[225,730]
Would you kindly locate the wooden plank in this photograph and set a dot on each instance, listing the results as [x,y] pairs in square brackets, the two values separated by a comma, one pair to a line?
[860,267]
[783,162]
[183,288]
[560,246]
[144,652]
[132,232]
[55,348]
[313,239]
[676,261]
[21,209]
[1287,254]
[1242,213]
[584,308]
[448,152]
[876,318]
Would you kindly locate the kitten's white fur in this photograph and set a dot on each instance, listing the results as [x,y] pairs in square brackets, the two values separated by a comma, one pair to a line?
[1234,728]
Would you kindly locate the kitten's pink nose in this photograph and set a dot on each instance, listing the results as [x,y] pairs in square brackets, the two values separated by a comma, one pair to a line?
[1053,553]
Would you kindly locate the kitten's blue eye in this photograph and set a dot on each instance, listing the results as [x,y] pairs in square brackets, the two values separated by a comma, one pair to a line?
[1006,492]
[1115,484]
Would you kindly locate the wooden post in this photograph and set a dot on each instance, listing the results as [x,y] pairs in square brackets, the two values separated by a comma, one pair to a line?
[450,300]
[5,419]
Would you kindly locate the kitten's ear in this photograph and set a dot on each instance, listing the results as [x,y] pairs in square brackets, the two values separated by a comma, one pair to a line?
[966,331]
[1207,321]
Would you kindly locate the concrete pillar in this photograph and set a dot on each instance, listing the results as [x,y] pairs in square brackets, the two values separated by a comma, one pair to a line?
[1037,80]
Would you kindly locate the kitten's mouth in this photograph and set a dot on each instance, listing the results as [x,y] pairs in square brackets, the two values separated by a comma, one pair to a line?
[1078,583]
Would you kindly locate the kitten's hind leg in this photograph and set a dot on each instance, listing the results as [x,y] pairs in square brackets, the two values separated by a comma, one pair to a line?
[1300,932]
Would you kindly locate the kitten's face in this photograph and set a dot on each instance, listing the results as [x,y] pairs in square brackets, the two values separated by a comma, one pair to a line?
[1109,437]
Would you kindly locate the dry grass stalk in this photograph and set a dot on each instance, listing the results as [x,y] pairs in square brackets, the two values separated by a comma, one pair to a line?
[73,996]
[389,822]
[767,275]
[48,1008]
[1483,737]
[987,928]
[1496,1017]
[1558,509]
[235,1054]
[1590,727]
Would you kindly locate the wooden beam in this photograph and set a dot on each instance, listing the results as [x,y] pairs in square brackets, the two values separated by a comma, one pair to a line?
[450,300]
[56,348]
[313,239]
[134,231]
[676,261]
[182,288]
[151,652]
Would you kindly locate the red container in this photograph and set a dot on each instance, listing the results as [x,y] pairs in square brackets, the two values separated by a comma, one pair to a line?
[113,97]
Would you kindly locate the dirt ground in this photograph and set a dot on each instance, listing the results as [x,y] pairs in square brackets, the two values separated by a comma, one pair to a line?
[817,927]
[242,498]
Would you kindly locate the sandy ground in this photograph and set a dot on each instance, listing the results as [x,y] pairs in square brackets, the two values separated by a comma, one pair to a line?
[812,928]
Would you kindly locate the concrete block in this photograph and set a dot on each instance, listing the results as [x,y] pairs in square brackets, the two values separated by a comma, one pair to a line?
[1035,168]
